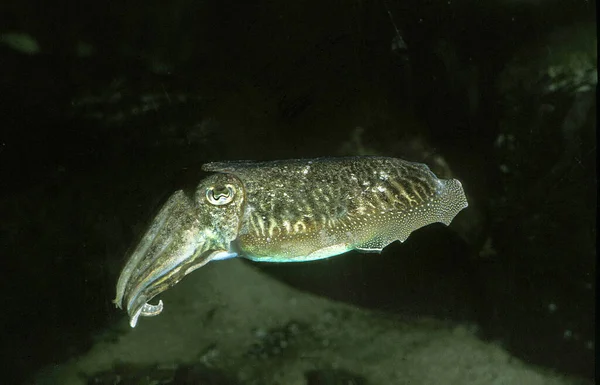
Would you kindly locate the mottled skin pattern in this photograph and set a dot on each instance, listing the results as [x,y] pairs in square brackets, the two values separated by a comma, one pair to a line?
[298,210]
[283,211]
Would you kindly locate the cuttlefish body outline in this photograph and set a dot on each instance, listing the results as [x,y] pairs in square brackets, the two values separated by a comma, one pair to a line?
[283,211]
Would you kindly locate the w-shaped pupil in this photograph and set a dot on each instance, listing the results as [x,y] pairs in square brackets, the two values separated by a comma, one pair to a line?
[219,196]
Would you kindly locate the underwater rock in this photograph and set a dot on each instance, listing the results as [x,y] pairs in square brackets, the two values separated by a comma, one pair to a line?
[339,339]
[124,374]
[333,377]
[274,342]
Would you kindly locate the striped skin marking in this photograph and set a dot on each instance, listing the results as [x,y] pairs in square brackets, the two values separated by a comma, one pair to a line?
[400,189]
[261,224]
[287,226]
[299,227]
[253,224]
[273,226]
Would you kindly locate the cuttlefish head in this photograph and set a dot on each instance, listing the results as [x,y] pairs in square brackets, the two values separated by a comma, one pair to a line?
[188,232]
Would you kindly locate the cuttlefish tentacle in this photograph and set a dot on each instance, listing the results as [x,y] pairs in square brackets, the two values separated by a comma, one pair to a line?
[147,310]
[151,310]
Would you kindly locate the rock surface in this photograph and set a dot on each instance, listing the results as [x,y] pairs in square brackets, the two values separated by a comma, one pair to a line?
[229,323]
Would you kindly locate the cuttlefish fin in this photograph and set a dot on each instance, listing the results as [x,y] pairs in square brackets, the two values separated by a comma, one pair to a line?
[373,245]
[390,233]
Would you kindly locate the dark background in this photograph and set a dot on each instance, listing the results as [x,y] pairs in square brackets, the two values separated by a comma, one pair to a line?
[116,106]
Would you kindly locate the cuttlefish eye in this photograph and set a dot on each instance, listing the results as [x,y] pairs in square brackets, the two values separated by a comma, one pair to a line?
[220,195]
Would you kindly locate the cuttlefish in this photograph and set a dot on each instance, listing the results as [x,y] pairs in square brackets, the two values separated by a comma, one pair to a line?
[283,211]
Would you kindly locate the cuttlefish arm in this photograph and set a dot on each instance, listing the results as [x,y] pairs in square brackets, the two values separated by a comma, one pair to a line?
[178,241]
[167,243]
